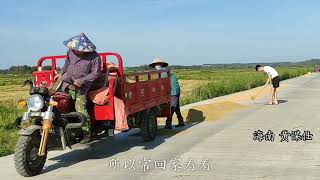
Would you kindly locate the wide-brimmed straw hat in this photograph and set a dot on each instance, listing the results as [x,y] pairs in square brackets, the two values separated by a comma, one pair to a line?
[80,43]
[158,61]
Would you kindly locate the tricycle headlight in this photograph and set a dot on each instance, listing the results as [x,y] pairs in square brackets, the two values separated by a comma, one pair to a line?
[35,102]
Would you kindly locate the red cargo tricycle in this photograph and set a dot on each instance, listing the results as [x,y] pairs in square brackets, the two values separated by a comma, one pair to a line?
[51,123]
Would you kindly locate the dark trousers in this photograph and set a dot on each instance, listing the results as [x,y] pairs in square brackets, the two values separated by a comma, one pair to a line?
[175,108]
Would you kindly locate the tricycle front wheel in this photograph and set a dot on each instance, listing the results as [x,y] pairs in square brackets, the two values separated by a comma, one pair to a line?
[26,159]
[149,124]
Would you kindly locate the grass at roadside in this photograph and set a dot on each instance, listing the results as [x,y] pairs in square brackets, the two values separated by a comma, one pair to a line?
[8,133]
[11,91]
[219,83]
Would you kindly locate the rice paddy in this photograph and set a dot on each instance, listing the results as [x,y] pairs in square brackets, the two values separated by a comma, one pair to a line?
[196,85]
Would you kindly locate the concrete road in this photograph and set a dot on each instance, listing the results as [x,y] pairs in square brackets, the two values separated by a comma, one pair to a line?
[222,149]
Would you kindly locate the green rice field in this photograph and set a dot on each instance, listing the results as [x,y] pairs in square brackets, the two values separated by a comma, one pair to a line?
[196,85]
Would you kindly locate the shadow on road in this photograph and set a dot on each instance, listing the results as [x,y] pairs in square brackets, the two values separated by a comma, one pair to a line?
[108,146]
[280,101]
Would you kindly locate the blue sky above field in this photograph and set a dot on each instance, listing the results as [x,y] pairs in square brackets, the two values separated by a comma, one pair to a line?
[184,32]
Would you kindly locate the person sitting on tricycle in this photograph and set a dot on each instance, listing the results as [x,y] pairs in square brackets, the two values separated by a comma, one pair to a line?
[82,67]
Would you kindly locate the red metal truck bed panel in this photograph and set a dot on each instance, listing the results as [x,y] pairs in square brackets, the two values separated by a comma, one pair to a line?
[142,95]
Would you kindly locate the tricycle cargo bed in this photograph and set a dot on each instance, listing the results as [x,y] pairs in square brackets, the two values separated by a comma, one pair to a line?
[139,91]
[140,95]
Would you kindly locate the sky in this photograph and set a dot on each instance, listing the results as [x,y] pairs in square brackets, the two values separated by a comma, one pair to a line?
[183,32]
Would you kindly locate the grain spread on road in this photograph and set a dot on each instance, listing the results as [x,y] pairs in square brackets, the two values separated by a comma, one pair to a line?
[219,108]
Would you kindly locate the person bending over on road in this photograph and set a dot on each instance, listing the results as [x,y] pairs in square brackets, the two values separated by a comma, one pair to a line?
[274,78]
[81,68]
[160,64]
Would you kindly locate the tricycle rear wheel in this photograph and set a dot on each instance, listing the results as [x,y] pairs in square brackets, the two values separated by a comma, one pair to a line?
[149,124]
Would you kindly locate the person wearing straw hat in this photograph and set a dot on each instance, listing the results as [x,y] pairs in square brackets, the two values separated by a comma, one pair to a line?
[82,67]
[160,64]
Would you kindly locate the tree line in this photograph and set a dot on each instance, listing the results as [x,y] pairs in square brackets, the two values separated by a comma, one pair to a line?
[25,69]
